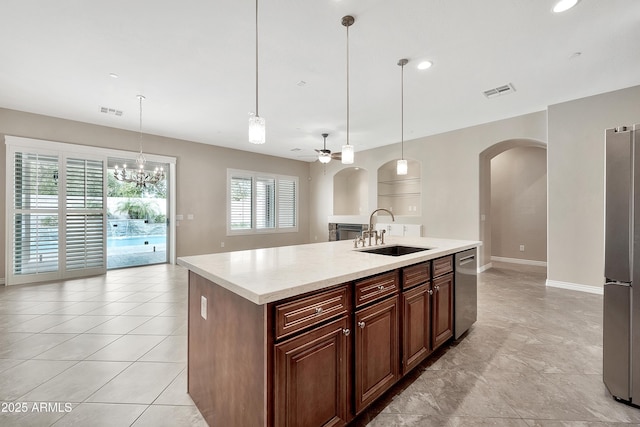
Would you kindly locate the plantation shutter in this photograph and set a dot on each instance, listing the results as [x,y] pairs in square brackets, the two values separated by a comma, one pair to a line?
[265,203]
[34,216]
[84,221]
[240,203]
[287,203]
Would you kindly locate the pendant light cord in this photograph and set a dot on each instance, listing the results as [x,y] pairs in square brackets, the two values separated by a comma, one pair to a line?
[402,109]
[347,84]
[140,97]
[257,115]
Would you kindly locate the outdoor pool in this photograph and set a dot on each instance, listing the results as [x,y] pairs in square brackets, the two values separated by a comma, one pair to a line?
[116,242]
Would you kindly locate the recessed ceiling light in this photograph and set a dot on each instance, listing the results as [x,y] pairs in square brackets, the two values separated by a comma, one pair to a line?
[564,5]
[424,65]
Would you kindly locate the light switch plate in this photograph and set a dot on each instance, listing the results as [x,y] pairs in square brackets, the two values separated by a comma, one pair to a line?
[203,307]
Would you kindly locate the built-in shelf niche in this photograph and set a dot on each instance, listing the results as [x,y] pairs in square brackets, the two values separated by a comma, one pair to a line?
[401,194]
[351,192]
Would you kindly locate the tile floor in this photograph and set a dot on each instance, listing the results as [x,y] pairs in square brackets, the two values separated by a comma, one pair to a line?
[113,349]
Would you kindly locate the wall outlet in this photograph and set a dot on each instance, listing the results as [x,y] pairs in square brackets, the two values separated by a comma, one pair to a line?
[222,244]
[203,307]
[521,248]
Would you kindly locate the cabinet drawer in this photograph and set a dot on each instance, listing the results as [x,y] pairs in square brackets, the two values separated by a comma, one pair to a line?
[415,274]
[442,265]
[376,287]
[308,311]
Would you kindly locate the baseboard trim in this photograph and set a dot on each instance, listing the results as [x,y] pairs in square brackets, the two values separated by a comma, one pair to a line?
[519,261]
[484,267]
[575,287]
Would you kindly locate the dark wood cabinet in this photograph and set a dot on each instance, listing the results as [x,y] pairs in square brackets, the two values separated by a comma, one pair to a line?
[442,309]
[416,326]
[316,359]
[376,350]
[312,377]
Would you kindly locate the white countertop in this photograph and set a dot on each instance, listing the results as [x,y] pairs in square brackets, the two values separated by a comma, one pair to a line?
[271,274]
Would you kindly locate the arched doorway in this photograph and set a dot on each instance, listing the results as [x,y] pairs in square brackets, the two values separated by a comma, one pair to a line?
[485,220]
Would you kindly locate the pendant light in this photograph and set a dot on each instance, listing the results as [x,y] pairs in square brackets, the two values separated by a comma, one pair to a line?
[347,150]
[257,128]
[402,167]
[140,176]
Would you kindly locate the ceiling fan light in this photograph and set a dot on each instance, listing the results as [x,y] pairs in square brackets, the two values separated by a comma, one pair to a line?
[347,154]
[324,158]
[402,167]
[257,129]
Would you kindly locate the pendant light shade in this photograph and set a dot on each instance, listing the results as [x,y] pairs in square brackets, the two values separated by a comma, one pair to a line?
[257,130]
[347,154]
[257,127]
[347,150]
[402,168]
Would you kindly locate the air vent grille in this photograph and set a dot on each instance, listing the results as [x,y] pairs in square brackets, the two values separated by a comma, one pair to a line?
[112,111]
[500,90]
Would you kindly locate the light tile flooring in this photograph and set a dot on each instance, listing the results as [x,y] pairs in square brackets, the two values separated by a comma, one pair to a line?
[114,349]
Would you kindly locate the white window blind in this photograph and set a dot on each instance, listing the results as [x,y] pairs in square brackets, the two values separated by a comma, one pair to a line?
[240,202]
[259,202]
[84,231]
[35,214]
[58,213]
[287,203]
[265,203]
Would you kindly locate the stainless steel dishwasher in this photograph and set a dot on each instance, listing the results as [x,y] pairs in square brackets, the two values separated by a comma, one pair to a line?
[465,296]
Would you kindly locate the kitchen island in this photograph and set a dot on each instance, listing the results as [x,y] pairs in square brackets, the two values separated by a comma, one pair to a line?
[312,334]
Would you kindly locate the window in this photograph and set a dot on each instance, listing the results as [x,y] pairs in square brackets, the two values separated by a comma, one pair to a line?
[259,203]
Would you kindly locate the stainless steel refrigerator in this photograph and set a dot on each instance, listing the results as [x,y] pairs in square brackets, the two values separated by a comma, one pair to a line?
[621,322]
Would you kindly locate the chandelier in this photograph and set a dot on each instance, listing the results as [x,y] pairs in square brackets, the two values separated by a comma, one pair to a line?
[140,176]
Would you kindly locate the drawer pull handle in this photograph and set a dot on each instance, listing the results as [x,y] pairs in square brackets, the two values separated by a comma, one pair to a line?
[361,324]
[318,310]
[346,332]
[381,287]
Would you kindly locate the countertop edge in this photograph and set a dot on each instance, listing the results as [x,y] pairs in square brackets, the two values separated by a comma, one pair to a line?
[195,264]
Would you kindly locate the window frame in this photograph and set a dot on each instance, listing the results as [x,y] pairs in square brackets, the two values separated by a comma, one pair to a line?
[254,176]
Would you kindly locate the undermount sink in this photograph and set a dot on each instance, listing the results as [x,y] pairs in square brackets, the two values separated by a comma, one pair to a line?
[397,250]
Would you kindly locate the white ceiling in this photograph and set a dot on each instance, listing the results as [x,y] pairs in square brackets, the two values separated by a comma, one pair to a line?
[195,63]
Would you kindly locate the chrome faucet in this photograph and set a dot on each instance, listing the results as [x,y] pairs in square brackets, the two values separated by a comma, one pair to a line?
[371,231]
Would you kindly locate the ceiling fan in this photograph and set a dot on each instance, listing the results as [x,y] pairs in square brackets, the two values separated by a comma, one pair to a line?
[325,155]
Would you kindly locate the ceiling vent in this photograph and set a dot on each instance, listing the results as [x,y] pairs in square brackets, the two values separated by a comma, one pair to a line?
[500,90]
[111,111]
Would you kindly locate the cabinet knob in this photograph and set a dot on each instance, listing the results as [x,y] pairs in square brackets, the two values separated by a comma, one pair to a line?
[346,332]
[430,291]
[437,288]
[380,287]
[318,310]
[361,324]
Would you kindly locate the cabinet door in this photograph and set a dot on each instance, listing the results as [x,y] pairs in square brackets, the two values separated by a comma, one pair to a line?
[312,373]
[376,350]
[442,309]
[416,326]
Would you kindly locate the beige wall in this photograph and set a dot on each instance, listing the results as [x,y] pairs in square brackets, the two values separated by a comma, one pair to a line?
[576,182]
[450,176]
[519,204]
[350,192]
[201,179]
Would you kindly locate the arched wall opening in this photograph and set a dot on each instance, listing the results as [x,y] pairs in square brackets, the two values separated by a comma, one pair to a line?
[486,220]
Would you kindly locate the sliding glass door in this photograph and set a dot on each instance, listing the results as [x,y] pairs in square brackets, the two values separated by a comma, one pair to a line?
[57,215]
[137,220]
